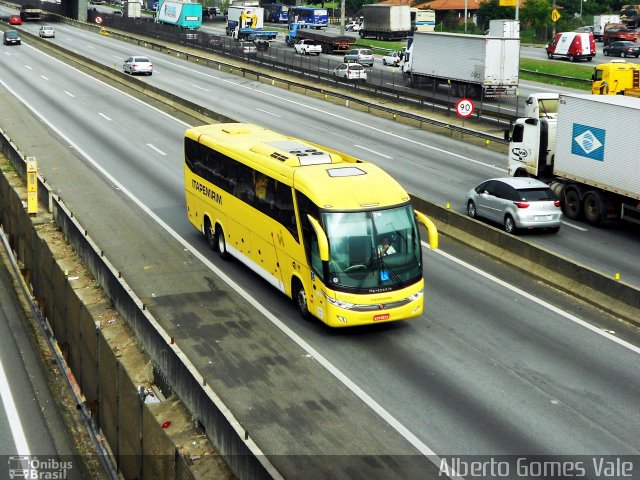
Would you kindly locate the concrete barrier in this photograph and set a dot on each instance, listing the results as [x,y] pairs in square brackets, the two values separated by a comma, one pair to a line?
[605,292]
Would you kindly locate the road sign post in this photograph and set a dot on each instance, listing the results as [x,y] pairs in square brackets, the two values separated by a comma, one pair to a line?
[464,108]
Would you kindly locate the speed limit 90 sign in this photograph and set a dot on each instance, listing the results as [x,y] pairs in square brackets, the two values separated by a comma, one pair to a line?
[464,107]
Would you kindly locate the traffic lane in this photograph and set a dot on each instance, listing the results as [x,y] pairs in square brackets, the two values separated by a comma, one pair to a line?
[490,372]
[125,136]
[448,181]
[539,53]
[178,201]
[39,429]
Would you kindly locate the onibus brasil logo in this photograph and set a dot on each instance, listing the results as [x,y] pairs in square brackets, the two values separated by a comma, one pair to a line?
[33,468]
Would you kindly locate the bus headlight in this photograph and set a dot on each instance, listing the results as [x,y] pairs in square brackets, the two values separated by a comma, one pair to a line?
[339,303]
[416,295]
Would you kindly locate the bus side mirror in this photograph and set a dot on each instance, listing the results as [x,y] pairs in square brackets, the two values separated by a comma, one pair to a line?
[323,243]
[432,231]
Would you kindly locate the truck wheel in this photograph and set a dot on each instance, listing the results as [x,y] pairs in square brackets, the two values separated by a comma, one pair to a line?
[572,59]
[594,208]
[572,205]
[549,56]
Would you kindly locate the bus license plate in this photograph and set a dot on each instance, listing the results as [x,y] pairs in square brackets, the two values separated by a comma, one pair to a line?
[383,316]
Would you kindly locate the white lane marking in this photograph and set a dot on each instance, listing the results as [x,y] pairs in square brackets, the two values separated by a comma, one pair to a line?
[91,47]
[104,116]
[118,57]
[339,117]
[28,67]
[582,229]
[539,301]
[153,147]
[10,410]
[374,152]
[269,113]
[385,415]
[200,88]
[70,94]
[43,77]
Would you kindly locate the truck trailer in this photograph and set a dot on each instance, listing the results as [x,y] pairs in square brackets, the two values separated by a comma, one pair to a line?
[586,159]
[330,42]
[600,22]
[31,11]
[182,13]
[472,65]
[386,22]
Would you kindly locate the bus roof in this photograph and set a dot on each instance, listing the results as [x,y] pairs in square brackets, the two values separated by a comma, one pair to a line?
[330,178]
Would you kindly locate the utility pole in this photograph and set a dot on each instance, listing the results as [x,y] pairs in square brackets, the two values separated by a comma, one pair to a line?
[342,9]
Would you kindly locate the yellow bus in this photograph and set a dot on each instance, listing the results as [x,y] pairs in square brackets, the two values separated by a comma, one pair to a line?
[309,220]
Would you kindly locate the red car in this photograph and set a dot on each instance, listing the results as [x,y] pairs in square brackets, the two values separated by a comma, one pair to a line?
[15,20]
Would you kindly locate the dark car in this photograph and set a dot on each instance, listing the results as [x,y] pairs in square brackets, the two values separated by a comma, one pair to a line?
[11,37]
[622,49]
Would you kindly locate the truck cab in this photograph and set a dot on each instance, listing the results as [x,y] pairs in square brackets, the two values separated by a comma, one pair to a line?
[533,140]
[615,78]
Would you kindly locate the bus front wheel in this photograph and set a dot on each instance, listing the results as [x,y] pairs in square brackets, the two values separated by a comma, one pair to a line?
[300,299]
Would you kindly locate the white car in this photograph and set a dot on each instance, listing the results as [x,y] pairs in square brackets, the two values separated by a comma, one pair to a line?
[353,27]
[394,58]
[308,47]
[46,31]
[351,71]
[137,64]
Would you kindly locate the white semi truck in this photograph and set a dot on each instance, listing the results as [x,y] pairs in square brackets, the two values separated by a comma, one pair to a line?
[580,145]
[472,65]
[386,22]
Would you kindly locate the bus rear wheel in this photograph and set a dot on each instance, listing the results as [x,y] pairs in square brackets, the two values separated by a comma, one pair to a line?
[300,299]
[221,243]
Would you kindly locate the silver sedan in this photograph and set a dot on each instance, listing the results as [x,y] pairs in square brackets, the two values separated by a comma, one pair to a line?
[516,203]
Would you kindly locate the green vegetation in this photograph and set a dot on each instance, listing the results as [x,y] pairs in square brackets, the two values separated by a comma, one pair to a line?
[565,69]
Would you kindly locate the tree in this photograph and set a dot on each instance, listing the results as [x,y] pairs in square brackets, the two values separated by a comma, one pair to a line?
[491,10]
[537,13]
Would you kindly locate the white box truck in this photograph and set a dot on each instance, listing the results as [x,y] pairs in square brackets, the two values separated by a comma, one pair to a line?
[585,152]
[600,21]
[472,65]
[386,22]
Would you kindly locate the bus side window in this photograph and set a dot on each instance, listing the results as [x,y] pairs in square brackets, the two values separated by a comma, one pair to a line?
[284,208]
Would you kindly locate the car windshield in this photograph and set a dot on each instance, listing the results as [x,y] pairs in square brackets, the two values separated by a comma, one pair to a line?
[360,255]
[536,194]
[11,34]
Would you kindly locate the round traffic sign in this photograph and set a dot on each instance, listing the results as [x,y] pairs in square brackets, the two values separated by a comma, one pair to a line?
[464,107]
[98,20]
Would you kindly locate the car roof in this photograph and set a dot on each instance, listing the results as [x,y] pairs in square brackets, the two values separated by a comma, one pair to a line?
[521,182]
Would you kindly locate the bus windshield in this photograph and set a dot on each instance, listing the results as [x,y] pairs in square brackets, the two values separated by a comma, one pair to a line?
[372,251]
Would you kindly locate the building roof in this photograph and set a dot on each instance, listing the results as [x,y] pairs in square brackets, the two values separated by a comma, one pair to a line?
[451,4]
[395,2]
